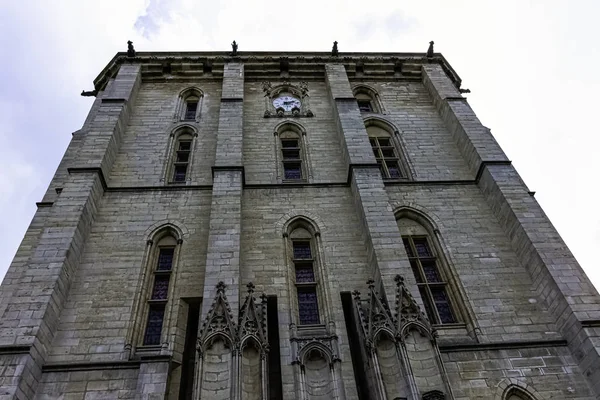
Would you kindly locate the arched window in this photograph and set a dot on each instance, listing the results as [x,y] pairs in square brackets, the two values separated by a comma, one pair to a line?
[180,151]
[161,261]
[189,104]
[430,270]
[306,275]
[181,158]
[368,99]
[516,393]
[305,278]
[386,150]
[292,149]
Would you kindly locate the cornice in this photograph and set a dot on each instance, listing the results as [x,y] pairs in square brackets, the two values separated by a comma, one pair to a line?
[174,66]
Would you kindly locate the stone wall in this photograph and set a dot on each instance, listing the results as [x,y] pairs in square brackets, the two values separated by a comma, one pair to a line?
[72,303]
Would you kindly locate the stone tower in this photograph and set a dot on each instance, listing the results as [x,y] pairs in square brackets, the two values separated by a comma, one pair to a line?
[255,225]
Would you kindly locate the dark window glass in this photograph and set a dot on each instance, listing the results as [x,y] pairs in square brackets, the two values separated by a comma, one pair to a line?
[292,171]
[407,247]
[165,259]
[414,264]
[383,142]
[429,280]
[183,156]
[365,105]
[190,110]
[291,154]
[427,303]
[305,273]
[302,250]
[386,158]
[180,172]
[388,152]
[422,247]
[185,145]
[430,270]
[308,306]
[394,171]
[442,304]
[161,288]
[289,143]
[154,326]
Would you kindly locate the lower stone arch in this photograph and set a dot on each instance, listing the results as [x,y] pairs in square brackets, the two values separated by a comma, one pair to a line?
[515,387]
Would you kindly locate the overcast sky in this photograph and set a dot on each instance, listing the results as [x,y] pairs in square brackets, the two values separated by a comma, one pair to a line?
[532,67]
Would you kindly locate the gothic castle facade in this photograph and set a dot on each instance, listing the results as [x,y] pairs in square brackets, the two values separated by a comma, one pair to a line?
[255,225]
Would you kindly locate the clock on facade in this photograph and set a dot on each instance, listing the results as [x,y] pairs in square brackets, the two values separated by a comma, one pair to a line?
[286,102]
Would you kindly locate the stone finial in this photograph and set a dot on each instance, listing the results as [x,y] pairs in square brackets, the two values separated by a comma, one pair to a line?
[130,49]
[371,283]
[430,49]
[399,280]
[250,287]
[334,50]
[221,286]
[234,47]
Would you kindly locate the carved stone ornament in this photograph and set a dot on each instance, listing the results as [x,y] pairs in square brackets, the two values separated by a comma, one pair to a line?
[252,322]
[219,320]
[375,315]
[434,395]
[300,91]
[130,49]
[324,342]
[430,49]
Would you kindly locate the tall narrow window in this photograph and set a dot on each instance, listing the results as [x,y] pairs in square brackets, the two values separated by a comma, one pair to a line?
[182,158]
[291,158]
[306,285]
[158,298]
[385,149]
[386,157]
[191,108]
[432,286]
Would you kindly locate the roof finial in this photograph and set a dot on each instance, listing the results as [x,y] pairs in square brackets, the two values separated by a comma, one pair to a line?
[130,49]
[334,50]
[234,47]
[430,49]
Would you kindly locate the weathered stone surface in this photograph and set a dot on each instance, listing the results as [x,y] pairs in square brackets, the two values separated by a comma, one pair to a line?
[528,316]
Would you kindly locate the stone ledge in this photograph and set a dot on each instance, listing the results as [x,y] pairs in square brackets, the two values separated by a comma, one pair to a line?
[590,323]
[451,348]
[83,170]
[90,366]
[484,164]
[14,349]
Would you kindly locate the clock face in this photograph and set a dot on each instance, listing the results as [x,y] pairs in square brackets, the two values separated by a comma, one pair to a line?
[286,102]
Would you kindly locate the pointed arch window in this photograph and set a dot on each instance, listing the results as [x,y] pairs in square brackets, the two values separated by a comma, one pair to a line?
[180,154]
[368,100]
[305,274]
[292,152]
[189,105]
[386,150]
[438,290]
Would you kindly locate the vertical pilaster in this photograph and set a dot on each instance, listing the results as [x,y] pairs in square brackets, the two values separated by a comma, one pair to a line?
[473,139]
[387,256]
[223,253]
[557,277]
[39,285]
